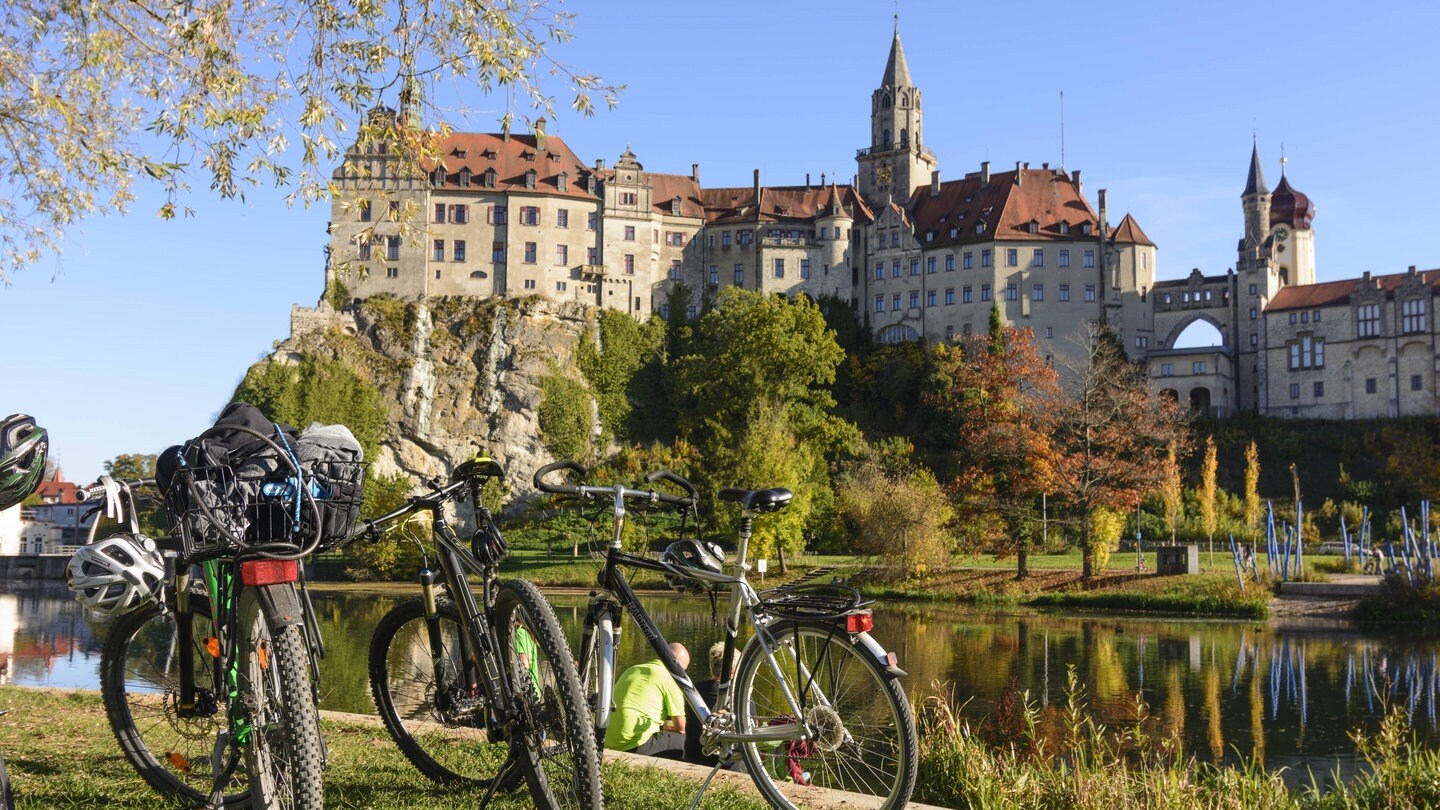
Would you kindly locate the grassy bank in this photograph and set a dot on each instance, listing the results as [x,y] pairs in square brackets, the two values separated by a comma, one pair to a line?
[1213,594]
[1006,763]
[60,754]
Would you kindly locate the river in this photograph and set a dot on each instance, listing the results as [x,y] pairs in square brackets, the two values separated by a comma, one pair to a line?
[1289,695]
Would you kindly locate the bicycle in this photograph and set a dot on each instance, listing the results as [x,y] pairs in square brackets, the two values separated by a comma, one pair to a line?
[458,680]
[814,699]
[211,684]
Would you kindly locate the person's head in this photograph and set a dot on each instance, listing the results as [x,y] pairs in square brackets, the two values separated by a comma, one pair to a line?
[717,656]
[681,654]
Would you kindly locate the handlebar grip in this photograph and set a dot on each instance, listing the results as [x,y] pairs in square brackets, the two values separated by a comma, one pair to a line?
[82,494]
[666,475]
[559,489]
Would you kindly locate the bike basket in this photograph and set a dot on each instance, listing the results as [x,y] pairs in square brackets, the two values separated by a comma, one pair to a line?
[337,488]
[216,507]
[811,602]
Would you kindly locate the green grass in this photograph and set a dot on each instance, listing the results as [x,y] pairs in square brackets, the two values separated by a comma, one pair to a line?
[60,754]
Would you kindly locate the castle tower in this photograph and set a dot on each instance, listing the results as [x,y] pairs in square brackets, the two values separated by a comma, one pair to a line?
[1293,240]
[896,162]
[1256,201]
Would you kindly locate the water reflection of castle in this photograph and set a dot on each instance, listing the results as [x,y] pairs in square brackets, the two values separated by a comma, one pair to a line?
[46,640]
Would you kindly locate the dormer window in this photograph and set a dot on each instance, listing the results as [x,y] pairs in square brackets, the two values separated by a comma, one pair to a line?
[979,227]
[675,206]
[1033,227]
[488,178]
[458,152]
[954,233]
[562,181]
[1085,228]
[530,179]
[438,178]
[464,177]
[929,236]
[1064,227]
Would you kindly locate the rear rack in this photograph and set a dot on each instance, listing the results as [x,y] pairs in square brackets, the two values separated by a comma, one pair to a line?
[820,601]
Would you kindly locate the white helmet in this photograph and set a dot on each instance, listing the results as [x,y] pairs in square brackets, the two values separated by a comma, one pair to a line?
[117,574]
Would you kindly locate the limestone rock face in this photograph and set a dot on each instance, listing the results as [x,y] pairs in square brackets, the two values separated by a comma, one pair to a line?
[459,376]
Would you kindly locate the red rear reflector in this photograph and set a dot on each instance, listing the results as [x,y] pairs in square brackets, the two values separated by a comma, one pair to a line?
[860,622]
[269,572]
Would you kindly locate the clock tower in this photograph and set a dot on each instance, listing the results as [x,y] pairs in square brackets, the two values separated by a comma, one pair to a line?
[896,162]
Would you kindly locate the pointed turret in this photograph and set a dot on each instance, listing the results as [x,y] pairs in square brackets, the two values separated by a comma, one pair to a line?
[1255,183]
[897,73]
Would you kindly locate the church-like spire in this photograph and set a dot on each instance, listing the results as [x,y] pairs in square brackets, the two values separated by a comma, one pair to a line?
[1255,183]
[897,73]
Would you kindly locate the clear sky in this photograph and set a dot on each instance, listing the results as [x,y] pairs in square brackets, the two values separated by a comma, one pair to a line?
[135,337]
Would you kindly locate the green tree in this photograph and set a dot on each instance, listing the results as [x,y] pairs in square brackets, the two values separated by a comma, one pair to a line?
[898,517]
[611,366]
[772,455]
[564,417]
[1208,466]
[1171,493]
[316,389]
[149,514]
[236,95]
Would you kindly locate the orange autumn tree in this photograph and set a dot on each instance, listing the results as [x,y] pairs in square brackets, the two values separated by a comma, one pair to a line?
[992,392]
[1111,435]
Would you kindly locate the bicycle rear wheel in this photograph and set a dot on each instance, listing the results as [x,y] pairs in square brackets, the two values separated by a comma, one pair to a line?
[282,742]
[863,731]
[140,684]
[555,740]
[436,718]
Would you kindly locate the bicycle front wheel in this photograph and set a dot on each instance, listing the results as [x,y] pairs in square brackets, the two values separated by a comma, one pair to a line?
[555,741]
[862,731]
[169,746]
[434,713]
[281,736]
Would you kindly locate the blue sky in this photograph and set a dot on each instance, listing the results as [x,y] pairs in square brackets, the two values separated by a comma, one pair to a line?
[136,336]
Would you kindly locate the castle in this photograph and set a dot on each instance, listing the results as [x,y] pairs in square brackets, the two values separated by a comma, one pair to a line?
[916,255]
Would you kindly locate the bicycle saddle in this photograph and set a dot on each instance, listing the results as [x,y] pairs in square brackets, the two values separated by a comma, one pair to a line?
[758,500]
[479,467]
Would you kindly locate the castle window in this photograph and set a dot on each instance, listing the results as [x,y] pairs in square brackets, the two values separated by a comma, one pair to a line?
[1090,292]
[929,298]
[674,269]
[1417,383]
[1064,292]
[904,137]
[464,177]
[394,212]
[529,283]
[895,269]
[1033,226]
[1064,257]
[714,275]
[1037,292]
[1197,367]
[499,214]
[1012,257]
[930,264]
[1412,315]
[895,239]
[629,233]
[1252,289]
[1294,317]
[914,299]
[880,303]
[1012,291]
[488,178]
[914,267]
[562,255]
[1254,340]
[562,182]
[392,272]
[365,249]
[562,218]
[966,295]
[497,252]
[895,302]
[1207,295]
[438,177]
[629,264]
[967,261]
[592,221]
[804,268]
[1039,258]
[879,271]
[459,250]
[1306,352]
[739,274]
[529,215]
[746,237]
[560,286]
[1367,320]
[1294,390]
[885,138]
[692,311]
[529,252]
[985,257]
[1371,386]
[439,212]
[439,254]
[1315,316]
[1167,369]
[1165,299]
[779,268]
[627,198]
[1319,388]
[949,262]
[1089,258]
[392,248]
[592,255]
[530,179]
[1141,341]
[984,292]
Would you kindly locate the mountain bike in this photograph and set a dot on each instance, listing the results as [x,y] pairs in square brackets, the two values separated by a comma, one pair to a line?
[480,691]
[814,699]
[211,685]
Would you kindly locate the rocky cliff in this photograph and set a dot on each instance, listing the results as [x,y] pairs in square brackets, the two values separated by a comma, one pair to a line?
[458,376]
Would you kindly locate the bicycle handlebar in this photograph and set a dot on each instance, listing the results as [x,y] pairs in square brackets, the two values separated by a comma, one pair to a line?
[560,489]
[371,528]
[624,492]
[677,500]
[85,493]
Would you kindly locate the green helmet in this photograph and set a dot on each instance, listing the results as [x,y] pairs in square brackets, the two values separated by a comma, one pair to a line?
[23,446]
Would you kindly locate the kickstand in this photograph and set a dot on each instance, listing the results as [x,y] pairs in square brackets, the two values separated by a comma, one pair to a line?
[721,763]
[506,769]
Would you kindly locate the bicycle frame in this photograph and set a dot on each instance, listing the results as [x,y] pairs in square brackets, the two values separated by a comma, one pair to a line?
[615,592]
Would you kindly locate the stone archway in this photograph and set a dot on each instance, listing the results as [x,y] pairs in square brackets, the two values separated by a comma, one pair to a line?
[1200,401]
[897,333]
[1184,324]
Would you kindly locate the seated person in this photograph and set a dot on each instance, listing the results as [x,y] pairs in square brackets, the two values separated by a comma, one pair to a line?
[709,692]
[649,716]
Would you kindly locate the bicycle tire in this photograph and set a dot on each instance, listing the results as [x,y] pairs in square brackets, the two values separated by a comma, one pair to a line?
[558,752]
[439,724]
[140,688]
[7,799]
[283,749]
[865,732]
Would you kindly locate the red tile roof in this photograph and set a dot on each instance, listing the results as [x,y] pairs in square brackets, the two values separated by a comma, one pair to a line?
[1332,293]
[478,151]
[664,188]
[780,204]
[1046,196]
[1128,231]
[64,491]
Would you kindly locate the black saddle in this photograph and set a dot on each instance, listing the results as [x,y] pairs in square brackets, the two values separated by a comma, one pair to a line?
[758,500]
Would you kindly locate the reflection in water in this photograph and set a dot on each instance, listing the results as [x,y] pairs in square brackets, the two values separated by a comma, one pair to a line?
[1225,690]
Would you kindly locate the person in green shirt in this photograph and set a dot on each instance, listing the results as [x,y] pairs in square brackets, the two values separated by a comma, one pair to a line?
[649,716]
[527,656]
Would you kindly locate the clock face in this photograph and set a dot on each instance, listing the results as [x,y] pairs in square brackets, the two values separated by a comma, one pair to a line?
[883,174]
[1281,234]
